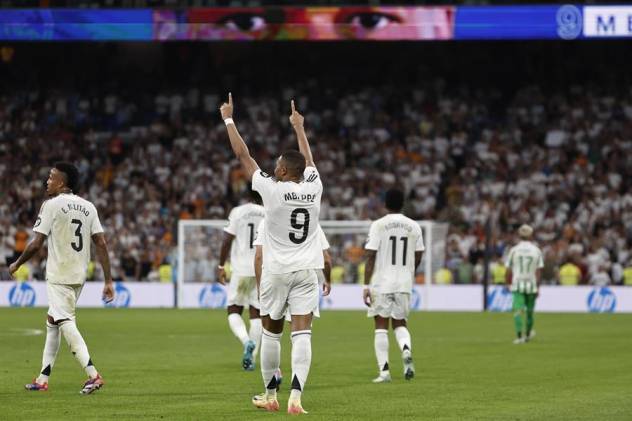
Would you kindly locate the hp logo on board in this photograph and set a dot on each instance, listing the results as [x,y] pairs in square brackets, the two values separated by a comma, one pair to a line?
[212,296]
[499,299]
[602,300]
[569,22]
[122,296]
[22,295]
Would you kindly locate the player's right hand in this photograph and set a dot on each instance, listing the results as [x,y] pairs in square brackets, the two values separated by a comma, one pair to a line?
[296,119]
[108,291]
[221,276]
[13,268]
[367,297]
[227,108]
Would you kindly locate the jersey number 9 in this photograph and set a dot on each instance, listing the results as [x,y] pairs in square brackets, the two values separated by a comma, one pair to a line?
[296,225]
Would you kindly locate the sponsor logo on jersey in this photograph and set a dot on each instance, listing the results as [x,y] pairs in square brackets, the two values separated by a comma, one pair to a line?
[22,295]
[122,296]
[415,299]
[499,299]
[212,296]
[602,300]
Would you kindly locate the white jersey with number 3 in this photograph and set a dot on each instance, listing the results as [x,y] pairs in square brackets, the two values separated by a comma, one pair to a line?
[395,238]
[242,223]
[290,240]
[69,222]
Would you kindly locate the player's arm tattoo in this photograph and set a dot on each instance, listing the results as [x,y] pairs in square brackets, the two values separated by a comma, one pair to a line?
[103,256]
[31,249]
[369,266]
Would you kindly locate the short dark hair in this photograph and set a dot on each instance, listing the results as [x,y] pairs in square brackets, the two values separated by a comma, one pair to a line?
[394,200]
[71,174]
[294,162]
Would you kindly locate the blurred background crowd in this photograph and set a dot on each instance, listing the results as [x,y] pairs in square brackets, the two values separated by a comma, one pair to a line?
[483,153]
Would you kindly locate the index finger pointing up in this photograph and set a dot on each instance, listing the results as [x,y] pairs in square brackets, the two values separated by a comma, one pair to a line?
[230,99]
[293,109]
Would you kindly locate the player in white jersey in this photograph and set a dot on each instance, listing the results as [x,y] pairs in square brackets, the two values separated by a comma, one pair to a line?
[524,271]
[239,238]
[291,255]
[394,250]
[324,276]
[69,222]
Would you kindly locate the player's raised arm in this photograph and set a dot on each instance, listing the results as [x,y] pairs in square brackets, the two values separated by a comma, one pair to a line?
[236,142]
[297,121]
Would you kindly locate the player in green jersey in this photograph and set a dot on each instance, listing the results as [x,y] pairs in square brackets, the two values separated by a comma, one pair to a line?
[524,270]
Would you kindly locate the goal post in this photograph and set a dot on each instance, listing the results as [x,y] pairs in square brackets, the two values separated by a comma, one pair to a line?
[199,243]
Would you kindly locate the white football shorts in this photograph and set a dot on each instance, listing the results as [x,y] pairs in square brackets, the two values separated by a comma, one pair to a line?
[394,305]
[62,300]
[242,291]
[298,290]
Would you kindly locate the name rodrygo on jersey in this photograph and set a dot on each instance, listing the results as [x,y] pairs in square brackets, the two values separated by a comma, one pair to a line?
[290,239]
[395,238]
[69,222]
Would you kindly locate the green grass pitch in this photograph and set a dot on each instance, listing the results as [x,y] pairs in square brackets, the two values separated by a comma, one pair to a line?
[185,365]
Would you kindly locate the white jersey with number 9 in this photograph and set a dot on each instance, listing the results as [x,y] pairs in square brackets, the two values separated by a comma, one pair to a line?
[290,240]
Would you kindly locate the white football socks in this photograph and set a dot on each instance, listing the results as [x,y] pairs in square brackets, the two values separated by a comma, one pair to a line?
[301,360]
[238,327]
[255,334]
[381,349]
[78,346]
[50,352]
[270,360]
[403,338]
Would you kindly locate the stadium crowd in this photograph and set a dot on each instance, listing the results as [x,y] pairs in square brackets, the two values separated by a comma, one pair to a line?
[559,161]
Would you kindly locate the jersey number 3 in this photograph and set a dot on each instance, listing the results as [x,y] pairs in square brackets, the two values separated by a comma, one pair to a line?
[296,225]
[77,246]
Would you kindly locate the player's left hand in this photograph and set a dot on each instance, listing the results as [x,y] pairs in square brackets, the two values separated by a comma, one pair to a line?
[227,108]
[13,268]
[296,119]
[108,291]
[326,289]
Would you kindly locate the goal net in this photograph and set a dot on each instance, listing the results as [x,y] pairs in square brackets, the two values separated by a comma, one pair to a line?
[199,243]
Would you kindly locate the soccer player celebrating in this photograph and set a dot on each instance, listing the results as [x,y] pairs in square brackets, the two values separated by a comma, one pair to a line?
[291,255]
[239,238]
[394,250]
[69,222]
[524,270]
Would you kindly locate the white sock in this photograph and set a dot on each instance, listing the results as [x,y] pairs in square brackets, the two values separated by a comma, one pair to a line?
[50,352]
[301,360]
[403,338]
[78,346]
[238,327]
[381,349]
[255,334]
[270,360]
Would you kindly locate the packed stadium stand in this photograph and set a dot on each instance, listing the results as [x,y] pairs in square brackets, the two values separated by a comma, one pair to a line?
[484,151]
